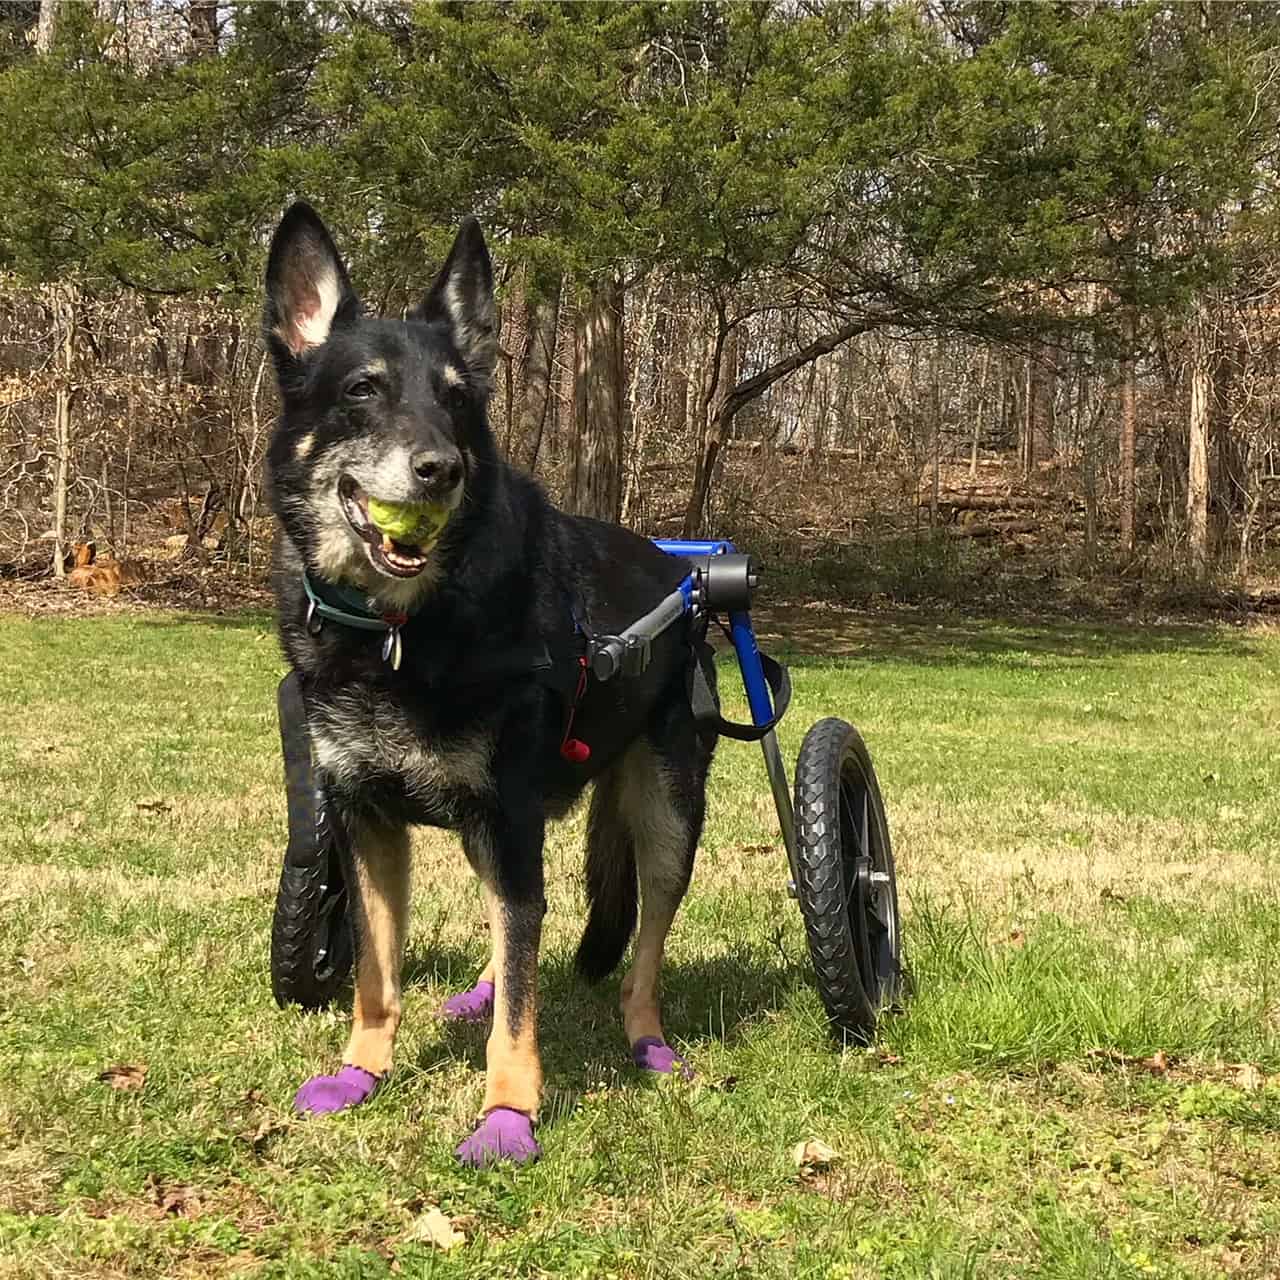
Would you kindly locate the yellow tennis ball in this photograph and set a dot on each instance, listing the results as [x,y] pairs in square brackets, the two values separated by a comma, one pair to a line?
[414,523]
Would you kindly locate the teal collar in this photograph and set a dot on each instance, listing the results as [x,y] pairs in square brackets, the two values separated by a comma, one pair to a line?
[350,608]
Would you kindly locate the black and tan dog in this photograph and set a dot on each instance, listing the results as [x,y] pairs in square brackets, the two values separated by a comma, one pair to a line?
[461,701]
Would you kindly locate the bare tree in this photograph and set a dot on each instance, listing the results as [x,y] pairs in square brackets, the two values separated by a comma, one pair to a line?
[1201,360]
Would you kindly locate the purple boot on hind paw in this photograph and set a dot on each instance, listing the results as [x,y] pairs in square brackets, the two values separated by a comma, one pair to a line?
[470,1006]
[503,1134]
[322,1095]
[651,1054]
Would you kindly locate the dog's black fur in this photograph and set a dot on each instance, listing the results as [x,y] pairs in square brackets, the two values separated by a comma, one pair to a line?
[400,406]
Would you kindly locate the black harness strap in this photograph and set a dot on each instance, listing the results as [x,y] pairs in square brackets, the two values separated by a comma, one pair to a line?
[705,702]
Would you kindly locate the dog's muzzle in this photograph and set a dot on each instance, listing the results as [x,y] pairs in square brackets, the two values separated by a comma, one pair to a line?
[403,551]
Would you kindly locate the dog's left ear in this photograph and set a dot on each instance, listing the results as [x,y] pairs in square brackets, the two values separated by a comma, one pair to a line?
[462,296]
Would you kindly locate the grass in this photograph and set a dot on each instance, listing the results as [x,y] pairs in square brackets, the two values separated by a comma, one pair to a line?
[1082,1084]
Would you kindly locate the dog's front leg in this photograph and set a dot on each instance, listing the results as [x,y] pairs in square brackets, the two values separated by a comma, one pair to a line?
[505,847]
[380,902]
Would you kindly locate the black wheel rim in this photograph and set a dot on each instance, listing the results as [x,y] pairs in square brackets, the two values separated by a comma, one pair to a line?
[332,944]
[868,885]
[333,927]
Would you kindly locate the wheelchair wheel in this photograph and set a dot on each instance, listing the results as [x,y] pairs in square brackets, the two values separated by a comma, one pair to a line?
[847,888]
[311,936]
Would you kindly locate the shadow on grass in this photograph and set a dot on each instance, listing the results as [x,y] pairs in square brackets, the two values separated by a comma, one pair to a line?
[712,998]
[806,632]
[233,620]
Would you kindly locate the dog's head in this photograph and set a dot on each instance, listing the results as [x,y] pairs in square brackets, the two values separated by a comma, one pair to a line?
[375,408]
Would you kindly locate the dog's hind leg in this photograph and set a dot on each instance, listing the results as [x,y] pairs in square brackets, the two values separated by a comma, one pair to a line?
[661,801]
[381,861]
[506,850]
[476,1004]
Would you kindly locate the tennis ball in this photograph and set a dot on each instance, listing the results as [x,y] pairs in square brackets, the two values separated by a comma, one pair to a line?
[413,523]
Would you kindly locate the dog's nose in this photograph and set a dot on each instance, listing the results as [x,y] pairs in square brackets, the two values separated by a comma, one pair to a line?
[439,471]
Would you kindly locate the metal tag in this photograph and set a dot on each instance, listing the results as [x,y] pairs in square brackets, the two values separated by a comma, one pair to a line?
[391,648]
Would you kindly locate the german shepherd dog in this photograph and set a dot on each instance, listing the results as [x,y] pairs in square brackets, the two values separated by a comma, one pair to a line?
[456,728]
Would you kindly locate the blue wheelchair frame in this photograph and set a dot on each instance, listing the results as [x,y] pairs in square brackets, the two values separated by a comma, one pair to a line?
[688,600]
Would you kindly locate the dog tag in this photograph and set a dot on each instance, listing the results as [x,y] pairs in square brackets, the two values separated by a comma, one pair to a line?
[391,648]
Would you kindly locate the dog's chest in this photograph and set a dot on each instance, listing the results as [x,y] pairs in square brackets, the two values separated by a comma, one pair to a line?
[359,739]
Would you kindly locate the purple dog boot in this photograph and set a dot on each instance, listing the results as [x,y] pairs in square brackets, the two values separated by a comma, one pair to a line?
[503,1134]
[651,1054]
[323,1094]
[470,1006]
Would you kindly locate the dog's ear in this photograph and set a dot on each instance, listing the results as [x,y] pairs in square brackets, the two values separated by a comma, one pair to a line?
[462,296]
[308,291]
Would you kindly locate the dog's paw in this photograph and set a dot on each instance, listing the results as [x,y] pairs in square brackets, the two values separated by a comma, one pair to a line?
[651,1054]
[323,1094]
[503,1134]
[470,1006]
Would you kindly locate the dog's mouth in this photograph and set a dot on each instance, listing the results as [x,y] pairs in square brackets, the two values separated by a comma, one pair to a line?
[398,559]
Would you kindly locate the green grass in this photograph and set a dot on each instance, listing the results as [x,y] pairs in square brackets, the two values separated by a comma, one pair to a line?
[1086,824]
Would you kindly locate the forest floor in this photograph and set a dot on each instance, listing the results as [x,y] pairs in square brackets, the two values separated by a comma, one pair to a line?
[1082,1083]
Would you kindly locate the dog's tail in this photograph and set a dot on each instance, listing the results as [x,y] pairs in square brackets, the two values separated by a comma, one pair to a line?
[612,896]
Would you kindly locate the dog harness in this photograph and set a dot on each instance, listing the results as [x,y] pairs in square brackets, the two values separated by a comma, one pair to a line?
[349,608]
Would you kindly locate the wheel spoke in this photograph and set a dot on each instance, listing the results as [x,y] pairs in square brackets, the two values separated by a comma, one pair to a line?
[846,818]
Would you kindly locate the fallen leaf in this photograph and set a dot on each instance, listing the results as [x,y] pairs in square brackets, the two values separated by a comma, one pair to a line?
[434,1228]
[153,806]
[254,1096]
[1017,938]
[886,1059]
[1157,1064]
[125,1077]
[268,1126]
[26,964]
[814,1154]
[176,1202]
[1248,1077]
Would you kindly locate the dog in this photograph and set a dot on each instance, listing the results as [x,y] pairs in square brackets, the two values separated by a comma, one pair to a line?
[460,697]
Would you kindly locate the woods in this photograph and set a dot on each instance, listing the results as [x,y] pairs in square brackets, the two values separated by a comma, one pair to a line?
[825,278]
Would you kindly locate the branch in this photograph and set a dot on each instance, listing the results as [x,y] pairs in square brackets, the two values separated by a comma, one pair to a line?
[759,383]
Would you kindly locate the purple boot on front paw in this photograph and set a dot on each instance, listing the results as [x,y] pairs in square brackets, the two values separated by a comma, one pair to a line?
[470,1006]
[503,1134]
[324,1094]
[651,1054]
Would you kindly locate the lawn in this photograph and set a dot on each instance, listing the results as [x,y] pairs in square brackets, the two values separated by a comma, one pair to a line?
[1082,1082]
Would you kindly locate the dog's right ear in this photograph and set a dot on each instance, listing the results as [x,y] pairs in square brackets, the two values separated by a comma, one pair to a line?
[308,291]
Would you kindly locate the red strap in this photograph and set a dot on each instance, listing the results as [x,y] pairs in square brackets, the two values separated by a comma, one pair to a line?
[574,750]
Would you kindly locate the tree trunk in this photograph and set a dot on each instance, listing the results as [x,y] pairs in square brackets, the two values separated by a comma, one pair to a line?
[1030,399]
[744,393]
[202,25]
[1129,435]
[45,26]
[64,311]
[596,467]
[980,413]
[536,364]
[1198,453]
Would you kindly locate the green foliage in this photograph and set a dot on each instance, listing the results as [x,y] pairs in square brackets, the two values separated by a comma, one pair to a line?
[907,168]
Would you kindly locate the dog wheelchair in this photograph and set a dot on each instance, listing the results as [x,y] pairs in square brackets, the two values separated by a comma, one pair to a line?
[835,832]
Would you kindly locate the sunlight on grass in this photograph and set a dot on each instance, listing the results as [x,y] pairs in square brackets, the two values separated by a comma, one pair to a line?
[1082,1083]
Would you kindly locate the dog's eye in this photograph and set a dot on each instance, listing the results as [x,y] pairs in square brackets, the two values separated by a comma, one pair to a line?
[455,399]
[361,390]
